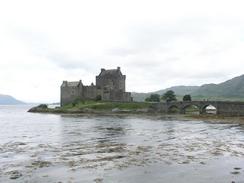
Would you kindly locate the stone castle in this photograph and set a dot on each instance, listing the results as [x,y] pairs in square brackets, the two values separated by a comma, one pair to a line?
[110,86]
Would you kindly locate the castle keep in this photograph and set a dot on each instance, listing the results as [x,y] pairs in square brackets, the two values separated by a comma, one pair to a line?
[110,86]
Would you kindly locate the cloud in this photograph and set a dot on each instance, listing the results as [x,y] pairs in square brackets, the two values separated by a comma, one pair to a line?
[69,63]
[158,44]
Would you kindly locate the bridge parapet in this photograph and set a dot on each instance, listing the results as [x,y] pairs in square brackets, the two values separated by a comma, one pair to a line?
[228,108]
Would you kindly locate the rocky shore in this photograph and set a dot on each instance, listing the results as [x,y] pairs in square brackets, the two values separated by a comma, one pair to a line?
[140,112]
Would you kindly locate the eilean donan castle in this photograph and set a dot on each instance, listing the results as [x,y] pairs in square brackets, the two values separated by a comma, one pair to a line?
[110,86]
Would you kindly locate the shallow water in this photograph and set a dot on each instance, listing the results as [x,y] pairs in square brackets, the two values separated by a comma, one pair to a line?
[68,148]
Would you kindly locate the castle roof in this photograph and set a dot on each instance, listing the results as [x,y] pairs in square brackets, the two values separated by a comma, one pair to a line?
[71,83]
[110,72]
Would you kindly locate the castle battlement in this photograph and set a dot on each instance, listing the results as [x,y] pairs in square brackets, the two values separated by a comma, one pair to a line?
[110,86]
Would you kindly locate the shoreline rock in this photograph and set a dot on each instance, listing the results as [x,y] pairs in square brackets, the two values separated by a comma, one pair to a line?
[144,113]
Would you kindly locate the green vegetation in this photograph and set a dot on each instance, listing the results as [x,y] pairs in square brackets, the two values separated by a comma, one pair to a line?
[179,92]
[174,110]
[192,110]
[187,98]
[92,106]
[153,98]
[169,96]
[98,98]
[107,106]
[231,90]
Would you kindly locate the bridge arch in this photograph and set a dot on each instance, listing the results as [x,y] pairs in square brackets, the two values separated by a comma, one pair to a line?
[229,108]
[173,109]
[209,109]
[191,109]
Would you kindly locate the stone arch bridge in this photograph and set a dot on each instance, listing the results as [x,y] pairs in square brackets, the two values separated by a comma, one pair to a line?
[227,108]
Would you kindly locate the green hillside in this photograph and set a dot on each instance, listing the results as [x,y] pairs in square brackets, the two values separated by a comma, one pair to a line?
[179,90]
[232,89]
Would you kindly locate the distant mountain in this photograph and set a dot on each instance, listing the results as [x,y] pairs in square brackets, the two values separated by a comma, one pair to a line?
[232,89]
[9,100]
[179,90]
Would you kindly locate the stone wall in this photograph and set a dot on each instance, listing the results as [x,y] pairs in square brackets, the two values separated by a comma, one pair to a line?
[89,92]
[111,83]
[231,108]
[117,96]
[70,94]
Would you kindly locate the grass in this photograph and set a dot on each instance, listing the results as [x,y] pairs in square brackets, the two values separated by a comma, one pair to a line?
[102,105]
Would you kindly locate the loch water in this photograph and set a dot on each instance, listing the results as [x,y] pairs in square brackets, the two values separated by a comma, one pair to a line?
[129,149]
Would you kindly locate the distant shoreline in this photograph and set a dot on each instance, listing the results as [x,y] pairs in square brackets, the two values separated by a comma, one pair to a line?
[140,114]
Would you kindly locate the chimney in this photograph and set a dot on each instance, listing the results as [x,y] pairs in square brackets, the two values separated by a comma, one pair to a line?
[102,69]
[118,68]
[80,82]
[65,83]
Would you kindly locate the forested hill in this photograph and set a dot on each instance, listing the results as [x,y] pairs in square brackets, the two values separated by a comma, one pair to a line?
[232,89]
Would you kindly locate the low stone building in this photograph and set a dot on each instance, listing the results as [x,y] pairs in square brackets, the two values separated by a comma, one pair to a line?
[110,86]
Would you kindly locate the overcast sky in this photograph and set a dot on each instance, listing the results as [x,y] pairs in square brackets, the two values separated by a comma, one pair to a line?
[157,44]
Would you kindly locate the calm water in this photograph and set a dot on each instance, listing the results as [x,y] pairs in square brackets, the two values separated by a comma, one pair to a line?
[63,148]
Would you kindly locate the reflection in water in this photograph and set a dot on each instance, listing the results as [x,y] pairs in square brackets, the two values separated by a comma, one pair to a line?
[92,143]
[43,148]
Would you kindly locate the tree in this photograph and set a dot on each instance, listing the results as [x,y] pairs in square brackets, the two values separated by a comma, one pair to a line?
[153,98]
[169,96]
[187,98]
[98,98]
[148,99]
